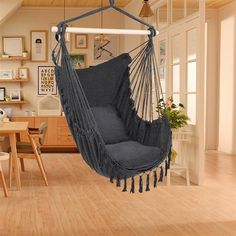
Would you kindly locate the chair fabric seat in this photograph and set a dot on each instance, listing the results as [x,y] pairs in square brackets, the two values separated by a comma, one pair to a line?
[132,154]
[23,147]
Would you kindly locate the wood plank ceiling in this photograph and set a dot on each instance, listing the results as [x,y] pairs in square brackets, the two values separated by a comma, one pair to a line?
[217,3]
[71,3]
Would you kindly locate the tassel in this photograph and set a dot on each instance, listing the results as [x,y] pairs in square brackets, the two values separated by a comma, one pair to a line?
[111,179]
[161,175]
[169,159]
[155,179]
[125,185]
[147,184]
[132,186]
[166,167]
[140,184]
[118,182]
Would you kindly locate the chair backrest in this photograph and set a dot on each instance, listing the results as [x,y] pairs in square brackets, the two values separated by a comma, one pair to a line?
[101,83]
[42,131]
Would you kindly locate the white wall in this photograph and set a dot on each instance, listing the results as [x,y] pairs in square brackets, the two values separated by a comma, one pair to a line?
[26,19]
[227,107]
[7,8]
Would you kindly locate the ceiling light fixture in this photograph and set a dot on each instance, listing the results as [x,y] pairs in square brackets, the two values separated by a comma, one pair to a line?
[146,10]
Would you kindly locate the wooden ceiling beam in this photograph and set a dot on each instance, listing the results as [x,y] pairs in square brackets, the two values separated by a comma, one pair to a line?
[71,3]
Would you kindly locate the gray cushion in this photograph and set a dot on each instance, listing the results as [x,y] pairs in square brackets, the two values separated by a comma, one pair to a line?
[132,154]
[110,124]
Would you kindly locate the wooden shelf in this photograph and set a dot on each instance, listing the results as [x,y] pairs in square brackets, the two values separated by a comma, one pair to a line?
[20,103]
[14,102]
[20,59]
[14,58]
[13,80]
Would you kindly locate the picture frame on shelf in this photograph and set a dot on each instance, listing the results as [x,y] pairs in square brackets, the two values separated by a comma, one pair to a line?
[23,73]
[15,95]
[39,45]
[46,80]
[2,93]
[81,41]
[78,61]
[13,46]
[6,74]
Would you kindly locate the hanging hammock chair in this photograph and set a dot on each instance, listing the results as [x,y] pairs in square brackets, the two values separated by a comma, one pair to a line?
[109,109]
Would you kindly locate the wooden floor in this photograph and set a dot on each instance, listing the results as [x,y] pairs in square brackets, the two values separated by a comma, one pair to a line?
[79,202]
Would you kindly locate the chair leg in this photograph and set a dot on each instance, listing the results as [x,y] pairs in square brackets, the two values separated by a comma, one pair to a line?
[10,170]
[3,182]
[22,164]
[187,177]
[41,167]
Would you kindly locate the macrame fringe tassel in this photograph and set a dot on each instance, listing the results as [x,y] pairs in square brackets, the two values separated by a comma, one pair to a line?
[155,178]
[166,167]
[132,190]
[140,184]
[117,182]
[125,185]
[161,175]
[111,179]
[147,184]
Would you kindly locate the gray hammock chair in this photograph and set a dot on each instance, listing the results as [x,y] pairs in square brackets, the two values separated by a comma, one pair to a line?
[109,109]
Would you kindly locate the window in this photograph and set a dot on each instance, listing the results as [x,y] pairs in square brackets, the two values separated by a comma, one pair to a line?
[176,42]
[191,74]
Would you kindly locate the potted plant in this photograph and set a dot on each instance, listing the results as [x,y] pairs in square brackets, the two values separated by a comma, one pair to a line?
[176,115]
[7,98]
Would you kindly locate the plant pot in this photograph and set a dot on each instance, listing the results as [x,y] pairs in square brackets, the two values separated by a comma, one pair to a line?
[25,54]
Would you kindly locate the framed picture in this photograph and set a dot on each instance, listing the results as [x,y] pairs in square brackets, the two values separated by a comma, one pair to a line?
[15,95]
[23,73]
[106,50]
[13,45]
[46,80]
[81,41]
[39,45]
[6,74]
[78,61]
[2,94]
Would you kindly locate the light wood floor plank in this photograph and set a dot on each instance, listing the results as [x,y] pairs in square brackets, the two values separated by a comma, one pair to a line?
[80,202]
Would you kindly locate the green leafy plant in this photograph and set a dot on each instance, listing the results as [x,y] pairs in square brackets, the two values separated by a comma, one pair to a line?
[174,112]
[176,115]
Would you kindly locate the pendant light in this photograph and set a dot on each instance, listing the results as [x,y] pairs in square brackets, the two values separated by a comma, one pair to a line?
[102,38]
[146,10]
[67,35]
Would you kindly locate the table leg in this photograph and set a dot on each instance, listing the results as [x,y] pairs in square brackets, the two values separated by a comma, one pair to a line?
[12,137]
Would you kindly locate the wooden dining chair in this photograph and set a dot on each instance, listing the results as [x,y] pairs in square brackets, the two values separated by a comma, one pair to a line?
[3,156]
[31,150]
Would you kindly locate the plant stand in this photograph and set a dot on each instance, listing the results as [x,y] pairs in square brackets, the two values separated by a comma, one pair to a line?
[179,136]
[175,168]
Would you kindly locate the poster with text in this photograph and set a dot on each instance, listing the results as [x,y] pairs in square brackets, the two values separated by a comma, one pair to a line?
[46,80]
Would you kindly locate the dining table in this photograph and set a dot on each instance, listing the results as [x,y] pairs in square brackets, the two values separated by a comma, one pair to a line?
[11,129]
